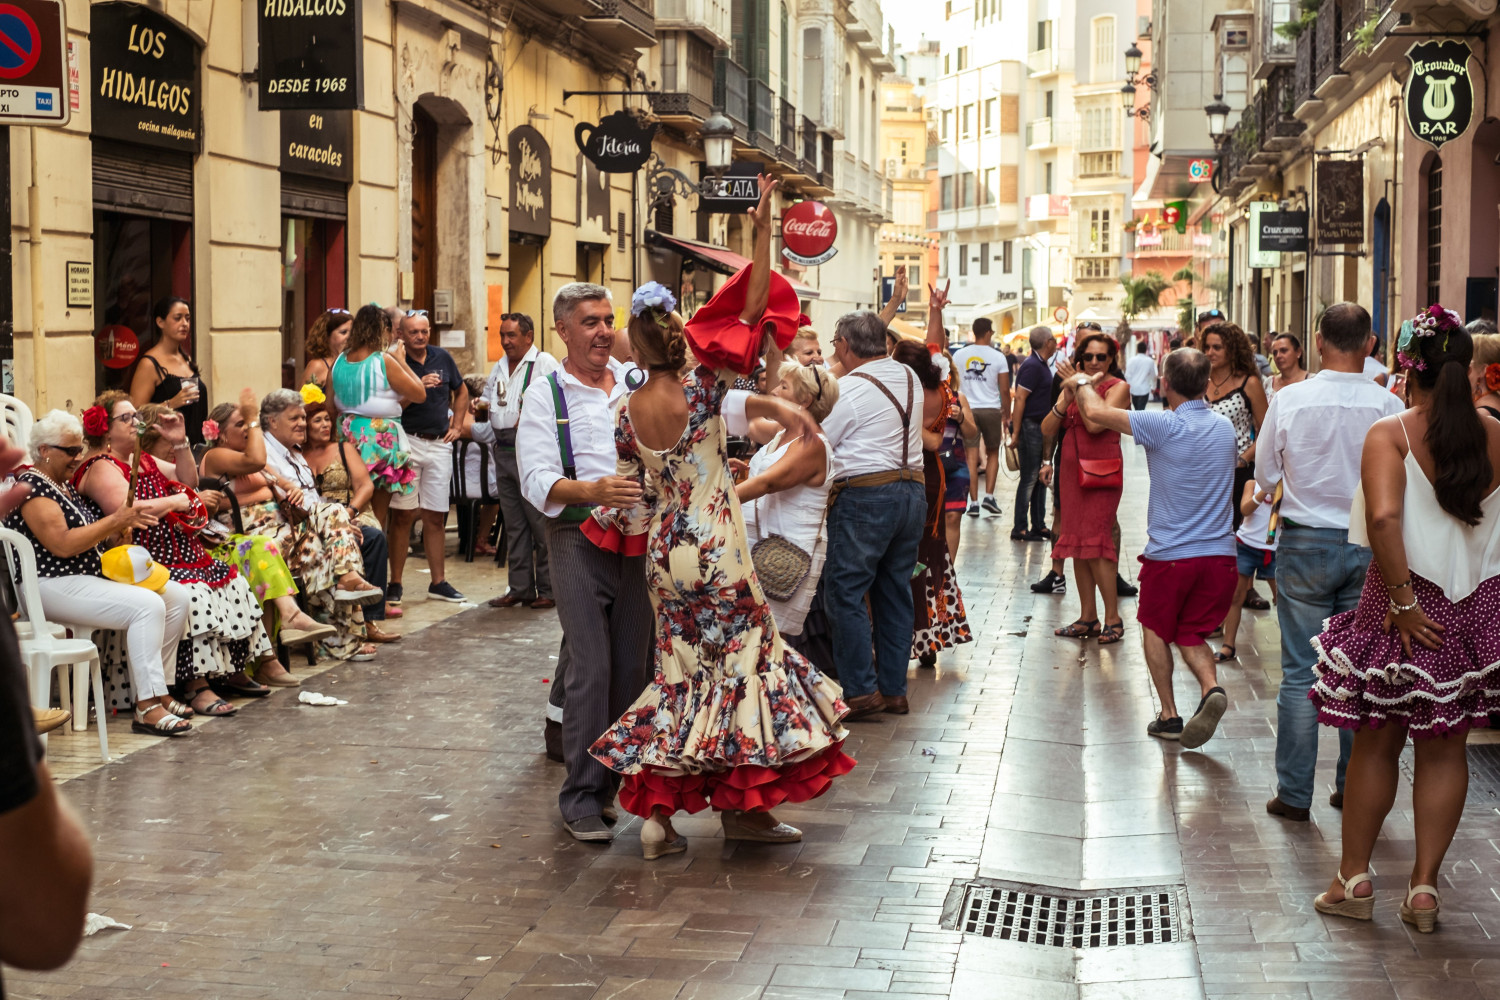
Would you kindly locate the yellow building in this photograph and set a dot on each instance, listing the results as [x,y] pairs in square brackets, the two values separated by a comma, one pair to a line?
[905,241]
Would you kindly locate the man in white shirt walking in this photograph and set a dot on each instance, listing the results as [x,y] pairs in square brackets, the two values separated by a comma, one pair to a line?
[876,517]
[985,380]
[1140,372]
[528,580]
[565,454]
[1310,443]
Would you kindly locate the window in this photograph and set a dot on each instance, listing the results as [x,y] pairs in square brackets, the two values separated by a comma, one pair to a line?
[987,190]
[947,64]
[989,115]
[1097,228]
[1236,82]
[1098,164]
[914,281]
[984,258]
[966,121]
[1043,35]
[902,148]
[963,260]
[1048,169]
[963,58]
[1096,268]
[1047,100]
[812,73]
[1281,14]
[1007,262]
[947,123]
[1433,229]
[1105,55]
[1100,128]
[966,189]
[945,186]
[946,268]
[786,55]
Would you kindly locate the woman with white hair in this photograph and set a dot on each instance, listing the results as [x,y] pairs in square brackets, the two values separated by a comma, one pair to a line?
[786,493]
[69,533]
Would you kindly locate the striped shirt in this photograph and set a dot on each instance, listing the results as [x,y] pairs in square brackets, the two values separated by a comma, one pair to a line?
[1191,457]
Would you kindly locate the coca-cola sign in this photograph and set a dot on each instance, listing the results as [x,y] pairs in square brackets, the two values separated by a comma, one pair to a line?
[808,230]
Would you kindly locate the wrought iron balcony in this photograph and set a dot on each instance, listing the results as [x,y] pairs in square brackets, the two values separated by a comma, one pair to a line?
[708,19]
[1327,56]
[786,149]
[732,93]
[809,158]
[1273,111]
[628,24]
[762,117]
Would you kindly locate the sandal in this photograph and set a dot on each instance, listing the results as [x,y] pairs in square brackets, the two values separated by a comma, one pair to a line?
[216,708]
[169,724]
[1112,634]
[177,708]
[1352,906]
[237,685]
[1079,630]
[1221,656]
[365,654]
[1422,919]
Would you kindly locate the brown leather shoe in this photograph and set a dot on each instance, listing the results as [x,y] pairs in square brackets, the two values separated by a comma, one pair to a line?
[864,705]
[897,705]
[375,633]
[543,603]
[506,600]
[48,719]
[1276,807]
[1336,800]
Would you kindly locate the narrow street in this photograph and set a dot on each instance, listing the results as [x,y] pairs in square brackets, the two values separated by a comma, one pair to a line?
[407,844]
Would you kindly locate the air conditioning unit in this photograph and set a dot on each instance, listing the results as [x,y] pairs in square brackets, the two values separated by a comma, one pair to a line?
[892,166]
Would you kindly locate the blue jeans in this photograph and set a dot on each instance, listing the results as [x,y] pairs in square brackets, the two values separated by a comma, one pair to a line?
[873,532]
[1030,493]
[1318,575]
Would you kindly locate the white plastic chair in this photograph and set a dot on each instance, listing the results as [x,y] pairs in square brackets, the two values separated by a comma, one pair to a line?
[43,652]
[15,421]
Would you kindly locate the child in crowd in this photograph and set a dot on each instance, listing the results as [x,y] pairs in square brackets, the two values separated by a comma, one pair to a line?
[1255,551]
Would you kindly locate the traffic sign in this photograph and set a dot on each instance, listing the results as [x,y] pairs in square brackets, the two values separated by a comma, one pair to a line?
[33,63]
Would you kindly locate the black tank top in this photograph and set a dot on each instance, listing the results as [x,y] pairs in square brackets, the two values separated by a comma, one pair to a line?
[170,385]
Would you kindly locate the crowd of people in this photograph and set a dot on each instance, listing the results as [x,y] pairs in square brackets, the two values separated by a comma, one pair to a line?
[724,618]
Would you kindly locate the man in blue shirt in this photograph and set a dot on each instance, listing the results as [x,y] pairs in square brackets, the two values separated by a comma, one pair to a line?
[1031,398]
[1188,570]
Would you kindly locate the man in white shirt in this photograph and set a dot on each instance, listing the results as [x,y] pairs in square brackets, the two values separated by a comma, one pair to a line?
[1140,372]
[1310,442]
[565,455]
[985,380]
[876,517]
[528,580]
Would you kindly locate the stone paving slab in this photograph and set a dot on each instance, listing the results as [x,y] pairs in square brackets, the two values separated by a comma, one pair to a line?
[407,844]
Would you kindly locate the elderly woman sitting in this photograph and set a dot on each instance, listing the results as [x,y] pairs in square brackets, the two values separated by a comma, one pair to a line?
[224,620]
[276,497]
[68,534]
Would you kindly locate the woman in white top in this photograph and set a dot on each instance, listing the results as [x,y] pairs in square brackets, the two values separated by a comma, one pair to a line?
[1420,655]
[787,491]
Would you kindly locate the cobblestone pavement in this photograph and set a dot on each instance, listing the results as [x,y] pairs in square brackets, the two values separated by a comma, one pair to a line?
[408,845]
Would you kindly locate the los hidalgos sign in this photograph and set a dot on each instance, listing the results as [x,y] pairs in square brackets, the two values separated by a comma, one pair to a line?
[619,144]
[1439,95]
[145,75]
[808,229]
[311,54]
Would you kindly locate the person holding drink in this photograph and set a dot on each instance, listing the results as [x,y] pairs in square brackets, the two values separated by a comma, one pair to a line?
[168,373]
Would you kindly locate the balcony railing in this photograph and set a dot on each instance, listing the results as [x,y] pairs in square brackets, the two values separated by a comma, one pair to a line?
[1274,105]
[637,17]
[1042,61]
[826,162]
[809,153]
[786,150]
[762,117]
[1329,29]
[732,92]
[1163,241]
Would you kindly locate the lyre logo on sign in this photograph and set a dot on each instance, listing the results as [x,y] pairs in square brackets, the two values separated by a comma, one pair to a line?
[1439,94]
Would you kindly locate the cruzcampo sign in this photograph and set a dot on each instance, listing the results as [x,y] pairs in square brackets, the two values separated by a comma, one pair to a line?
[1439,95]
[619,144]
[311,54]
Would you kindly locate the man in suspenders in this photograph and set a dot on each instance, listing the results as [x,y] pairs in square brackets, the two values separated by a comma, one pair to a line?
[565,454]
[530,582]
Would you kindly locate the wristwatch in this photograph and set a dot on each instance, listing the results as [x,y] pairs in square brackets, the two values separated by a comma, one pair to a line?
[1082,380]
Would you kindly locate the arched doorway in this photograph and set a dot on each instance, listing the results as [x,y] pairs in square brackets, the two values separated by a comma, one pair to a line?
[1482,287]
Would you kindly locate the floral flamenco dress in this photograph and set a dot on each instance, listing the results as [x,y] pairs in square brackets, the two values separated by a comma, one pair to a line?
[940,622]
[734,718]
[370,418]
[224,619]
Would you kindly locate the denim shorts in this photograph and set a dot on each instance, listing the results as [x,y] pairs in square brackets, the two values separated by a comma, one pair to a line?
[1253,562]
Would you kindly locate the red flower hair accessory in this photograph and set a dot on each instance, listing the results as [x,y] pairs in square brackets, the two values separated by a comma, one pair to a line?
[1492,377]
[95,422]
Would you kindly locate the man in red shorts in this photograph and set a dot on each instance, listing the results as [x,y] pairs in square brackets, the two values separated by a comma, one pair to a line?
[1188,570]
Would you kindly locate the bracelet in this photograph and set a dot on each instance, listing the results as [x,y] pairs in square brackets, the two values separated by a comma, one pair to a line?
[1398,586]
[1060,416]
[1399,608]
[182,446]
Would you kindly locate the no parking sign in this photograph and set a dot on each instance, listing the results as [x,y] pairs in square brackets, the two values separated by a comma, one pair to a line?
[33,63]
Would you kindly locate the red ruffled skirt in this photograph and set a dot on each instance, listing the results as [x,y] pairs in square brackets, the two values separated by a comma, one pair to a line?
[749,787]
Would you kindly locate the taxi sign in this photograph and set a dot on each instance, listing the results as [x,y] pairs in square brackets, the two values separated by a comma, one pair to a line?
[33,63]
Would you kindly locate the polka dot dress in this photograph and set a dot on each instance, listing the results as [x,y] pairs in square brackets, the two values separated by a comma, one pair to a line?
[78,511]
[1236,406]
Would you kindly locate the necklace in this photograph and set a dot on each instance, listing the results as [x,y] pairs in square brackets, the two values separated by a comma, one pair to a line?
[1221,381]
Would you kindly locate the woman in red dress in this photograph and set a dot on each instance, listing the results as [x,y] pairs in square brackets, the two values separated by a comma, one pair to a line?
[1090,470]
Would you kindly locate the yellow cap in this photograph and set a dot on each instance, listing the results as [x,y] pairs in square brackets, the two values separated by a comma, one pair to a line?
[133,564]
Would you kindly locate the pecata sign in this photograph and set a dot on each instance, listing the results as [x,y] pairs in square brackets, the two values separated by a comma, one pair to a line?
[619,144]
[808,230]
[1439,96]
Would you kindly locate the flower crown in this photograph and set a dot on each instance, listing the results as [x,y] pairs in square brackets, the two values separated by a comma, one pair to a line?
[653,295]
[1429,322]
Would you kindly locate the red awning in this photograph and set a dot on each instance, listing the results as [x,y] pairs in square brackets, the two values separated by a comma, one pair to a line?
[719,259]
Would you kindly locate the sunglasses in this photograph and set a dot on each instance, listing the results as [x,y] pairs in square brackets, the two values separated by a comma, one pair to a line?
[72,451]
[416,312]
[1094,357]
[1091,326]
[341,312]
[818,379]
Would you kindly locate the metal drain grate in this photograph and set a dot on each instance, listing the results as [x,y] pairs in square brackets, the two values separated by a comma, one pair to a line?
[1066,919]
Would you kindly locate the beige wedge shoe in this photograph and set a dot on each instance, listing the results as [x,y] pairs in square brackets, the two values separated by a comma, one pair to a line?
[1424,919]
[1352,906]
[654,842]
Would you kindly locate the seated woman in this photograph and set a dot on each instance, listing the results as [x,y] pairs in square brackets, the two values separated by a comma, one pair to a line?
[68,534]
[323,550]
[224,627]
[340,477]
[255,556]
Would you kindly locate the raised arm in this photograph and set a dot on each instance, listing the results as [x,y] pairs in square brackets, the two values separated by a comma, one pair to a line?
[898,296]
[402,378]
[758,295]
[937,301]
[1095,410]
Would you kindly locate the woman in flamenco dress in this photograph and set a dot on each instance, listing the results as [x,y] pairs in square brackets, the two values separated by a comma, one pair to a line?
[734,719]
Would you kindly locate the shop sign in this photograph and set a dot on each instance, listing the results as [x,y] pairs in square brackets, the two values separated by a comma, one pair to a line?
[1147,239]
[33,63]
[530,183]
[1340,188]
[1284,232]
[145,78]
[741,191]
[619,144]
[1200,171]
[1260,257]
[888,289]
[1439,93]
[311,54]
[318,144]
[80,284]
[808,230]
[117,346]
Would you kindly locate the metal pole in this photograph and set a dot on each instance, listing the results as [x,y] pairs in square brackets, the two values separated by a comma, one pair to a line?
[7,278]
[38,317]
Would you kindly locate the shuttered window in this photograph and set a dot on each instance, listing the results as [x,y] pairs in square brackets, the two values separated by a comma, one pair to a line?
[142,181]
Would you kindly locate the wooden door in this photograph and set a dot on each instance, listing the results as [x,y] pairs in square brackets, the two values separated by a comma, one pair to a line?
[424,215]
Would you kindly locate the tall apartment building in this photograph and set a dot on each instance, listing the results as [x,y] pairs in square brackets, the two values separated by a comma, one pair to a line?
[905,243]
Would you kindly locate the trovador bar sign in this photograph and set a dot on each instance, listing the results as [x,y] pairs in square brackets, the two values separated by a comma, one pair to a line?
[311,56]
